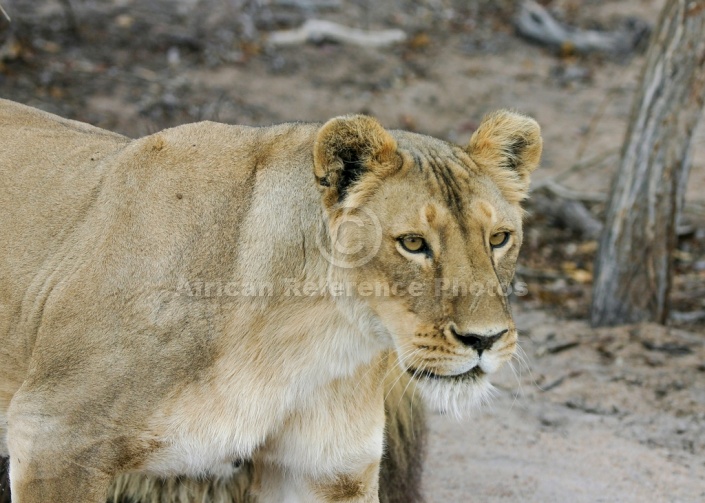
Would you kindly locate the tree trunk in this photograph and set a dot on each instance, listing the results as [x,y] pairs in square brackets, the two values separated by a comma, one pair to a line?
[633,264]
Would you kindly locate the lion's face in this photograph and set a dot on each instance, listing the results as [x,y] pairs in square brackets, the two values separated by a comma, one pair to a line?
[429,235]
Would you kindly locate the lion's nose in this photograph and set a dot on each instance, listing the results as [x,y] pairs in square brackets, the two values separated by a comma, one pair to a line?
[479,342]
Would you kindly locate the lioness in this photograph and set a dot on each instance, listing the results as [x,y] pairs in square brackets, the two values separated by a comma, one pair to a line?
[214,293]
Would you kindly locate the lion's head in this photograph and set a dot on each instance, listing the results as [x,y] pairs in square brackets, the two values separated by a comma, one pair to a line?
[428,234]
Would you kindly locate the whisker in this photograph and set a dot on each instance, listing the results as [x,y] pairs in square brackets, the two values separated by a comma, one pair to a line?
[407,385]
[519,388]
[418,369]
[389,370]
[523,359]
[403,370]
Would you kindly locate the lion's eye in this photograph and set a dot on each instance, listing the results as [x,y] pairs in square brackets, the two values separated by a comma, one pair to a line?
[413,244]
[499,239]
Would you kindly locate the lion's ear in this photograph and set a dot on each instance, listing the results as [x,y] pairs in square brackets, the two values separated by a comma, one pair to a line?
[509,141]
[347,148]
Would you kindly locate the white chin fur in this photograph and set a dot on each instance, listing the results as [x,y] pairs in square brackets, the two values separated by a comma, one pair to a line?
[455,397]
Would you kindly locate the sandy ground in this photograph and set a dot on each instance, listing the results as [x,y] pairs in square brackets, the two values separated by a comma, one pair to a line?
[590,415]
[586,415]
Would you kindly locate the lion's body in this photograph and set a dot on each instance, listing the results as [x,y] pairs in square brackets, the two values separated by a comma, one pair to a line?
[148,319]
[100,265]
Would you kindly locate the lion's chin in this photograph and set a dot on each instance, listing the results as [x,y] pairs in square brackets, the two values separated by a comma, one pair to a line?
[455,395]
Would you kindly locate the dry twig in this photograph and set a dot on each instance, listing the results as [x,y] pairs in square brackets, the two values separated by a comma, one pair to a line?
[318,30]
[535,22]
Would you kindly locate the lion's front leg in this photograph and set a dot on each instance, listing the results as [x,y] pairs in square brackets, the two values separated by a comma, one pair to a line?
[55,460]
[42,471]
[329,451]
[280,485]
[43,480]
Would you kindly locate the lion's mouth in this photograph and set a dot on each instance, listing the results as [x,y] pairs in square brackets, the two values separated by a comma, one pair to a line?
[474,373]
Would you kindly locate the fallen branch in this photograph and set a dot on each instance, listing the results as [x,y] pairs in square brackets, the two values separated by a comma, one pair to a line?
[318,30]
[564,205]
[575,195]
[535,22]
[568,211]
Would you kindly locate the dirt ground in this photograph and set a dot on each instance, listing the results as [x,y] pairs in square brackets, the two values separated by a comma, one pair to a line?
[586,414]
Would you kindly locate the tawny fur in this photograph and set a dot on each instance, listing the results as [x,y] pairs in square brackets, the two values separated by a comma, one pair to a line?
[151,315]
[400,473]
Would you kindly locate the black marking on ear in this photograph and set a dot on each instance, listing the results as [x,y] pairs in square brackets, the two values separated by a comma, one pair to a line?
[515,150]
[352,171]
